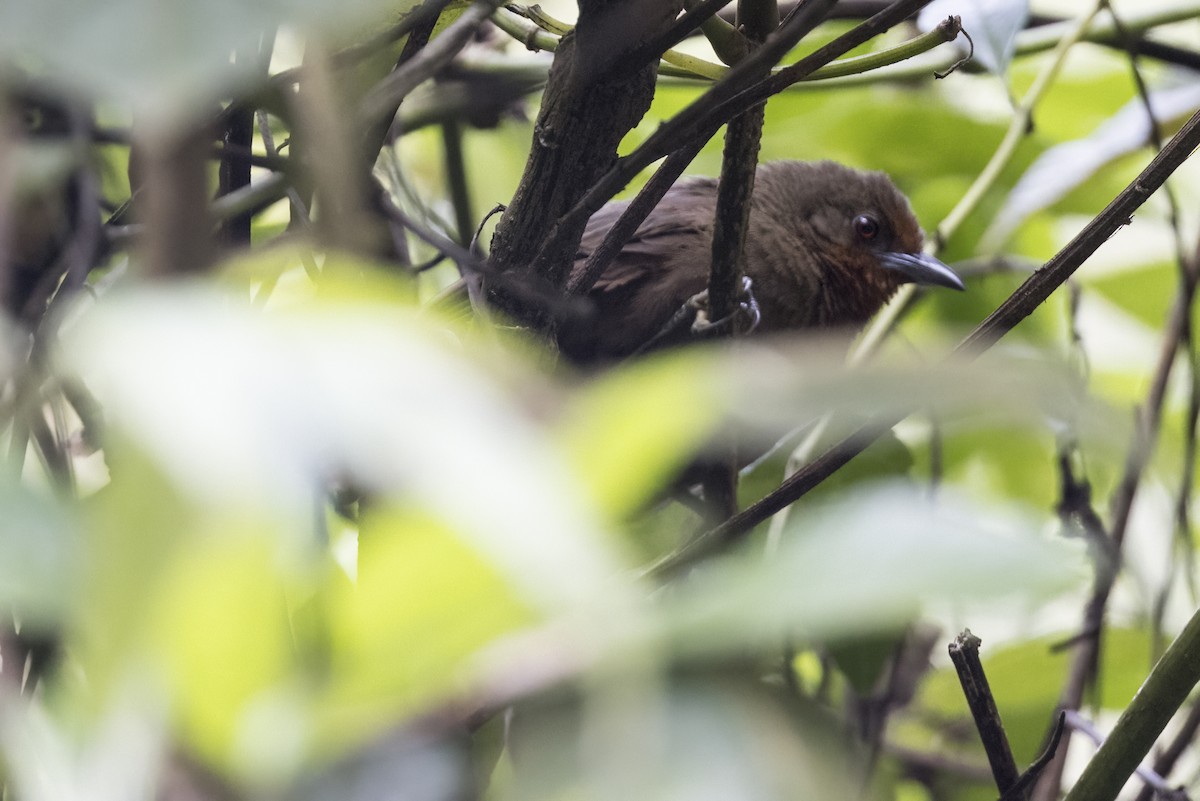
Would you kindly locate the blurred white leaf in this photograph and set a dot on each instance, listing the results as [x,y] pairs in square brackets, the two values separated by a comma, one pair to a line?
[260,411]
[1064,167]
[992,24]
[773,389]
[120,760]
[699,738]
[867,563]
[164,56]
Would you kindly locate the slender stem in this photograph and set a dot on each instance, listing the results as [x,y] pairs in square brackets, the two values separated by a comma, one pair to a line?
[1179,745]
[456,178]
[251,199]
[381,102]
[684,65]
[581,281]
[727,41]
[1018,128]
[1165,690]
[893,64]
[1153,781]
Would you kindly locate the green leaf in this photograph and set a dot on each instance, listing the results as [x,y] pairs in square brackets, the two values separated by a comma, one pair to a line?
[1126,658]
[703,737]
[40,554]
[1144,291]
[631,430]
[219,625]
[862,659]
[1008,462]
[403,635]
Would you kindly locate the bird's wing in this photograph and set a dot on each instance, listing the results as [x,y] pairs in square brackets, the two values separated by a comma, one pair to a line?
[680,222]
[662,265]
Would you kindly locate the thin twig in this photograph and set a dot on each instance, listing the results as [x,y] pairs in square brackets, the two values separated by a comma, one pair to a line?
[456,180]
[634,215]
[1187,270]
[1019,127]
[380,104]
[1018,790]
[1084,664]
[731,219]
[964,653]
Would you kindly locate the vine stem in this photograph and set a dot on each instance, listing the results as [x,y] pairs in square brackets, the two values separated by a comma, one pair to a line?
[1165,690]
[1018,128]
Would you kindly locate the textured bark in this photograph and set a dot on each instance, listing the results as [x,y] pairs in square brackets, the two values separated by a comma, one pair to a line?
[594,96]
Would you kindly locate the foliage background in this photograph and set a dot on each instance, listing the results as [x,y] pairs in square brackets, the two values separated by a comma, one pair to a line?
[285,527]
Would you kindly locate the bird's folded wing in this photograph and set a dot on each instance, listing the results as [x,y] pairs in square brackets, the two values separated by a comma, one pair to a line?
[658,245]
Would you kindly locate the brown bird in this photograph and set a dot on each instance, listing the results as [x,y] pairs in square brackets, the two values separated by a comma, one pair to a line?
[826,247]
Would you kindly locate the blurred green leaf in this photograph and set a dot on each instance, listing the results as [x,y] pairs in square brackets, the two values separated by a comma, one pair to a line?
[631,430]
[780,386]
[1013,462]
[134,528]
[45,759]
[862,659]
[1095,83]
[1126,657]
[401,637]
[39,558]
[219,623]
[1144,291]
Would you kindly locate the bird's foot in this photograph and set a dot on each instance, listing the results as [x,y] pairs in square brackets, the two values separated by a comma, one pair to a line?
[743,320]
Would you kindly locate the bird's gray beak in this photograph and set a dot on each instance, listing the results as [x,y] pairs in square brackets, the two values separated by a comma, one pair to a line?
[917,268]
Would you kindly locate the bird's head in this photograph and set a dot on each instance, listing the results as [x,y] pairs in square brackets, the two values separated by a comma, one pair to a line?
[858,224]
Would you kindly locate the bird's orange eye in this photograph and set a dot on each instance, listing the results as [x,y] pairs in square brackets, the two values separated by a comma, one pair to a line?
[866,227]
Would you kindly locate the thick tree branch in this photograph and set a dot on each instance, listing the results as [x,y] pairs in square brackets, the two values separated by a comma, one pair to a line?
[595,94]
